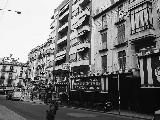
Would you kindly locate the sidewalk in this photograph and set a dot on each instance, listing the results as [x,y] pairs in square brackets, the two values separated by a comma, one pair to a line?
[114,112]
[37,101]
[122,113]
[131,114]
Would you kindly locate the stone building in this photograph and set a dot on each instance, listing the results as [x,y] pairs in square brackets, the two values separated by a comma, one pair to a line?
[126,52]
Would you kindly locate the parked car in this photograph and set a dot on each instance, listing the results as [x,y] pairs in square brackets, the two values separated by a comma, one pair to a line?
[9,94]
[17,94]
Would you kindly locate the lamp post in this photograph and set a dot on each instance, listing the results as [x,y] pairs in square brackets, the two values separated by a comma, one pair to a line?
[119,97]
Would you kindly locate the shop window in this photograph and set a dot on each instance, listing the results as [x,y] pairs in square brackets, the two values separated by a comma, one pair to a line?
[122,60]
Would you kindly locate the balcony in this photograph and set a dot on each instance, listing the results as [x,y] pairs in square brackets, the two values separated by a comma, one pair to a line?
[78,63]
[83,30]
[63,28]
[60,53]
[64,9]
[138,3]
[143,33]
[62,39]
[82,45]
[73,35]
[80,18]
[58,67]
[84,3]
[65,15]
[141,21]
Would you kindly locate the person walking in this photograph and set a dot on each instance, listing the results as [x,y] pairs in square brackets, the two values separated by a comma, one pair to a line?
[53,107]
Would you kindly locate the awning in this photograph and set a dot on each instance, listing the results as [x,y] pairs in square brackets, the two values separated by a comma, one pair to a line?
[60,57]
[59,72]
[80,21]
[81,49]
[81,68]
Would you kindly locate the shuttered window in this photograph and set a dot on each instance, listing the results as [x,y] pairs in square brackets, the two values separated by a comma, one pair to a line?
[104,37]
[104,62]
[122,60]
[121,33]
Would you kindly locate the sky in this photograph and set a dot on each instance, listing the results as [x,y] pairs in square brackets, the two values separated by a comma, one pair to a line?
[19,33]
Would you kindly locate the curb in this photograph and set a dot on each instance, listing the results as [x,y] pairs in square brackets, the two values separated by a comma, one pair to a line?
[111,113]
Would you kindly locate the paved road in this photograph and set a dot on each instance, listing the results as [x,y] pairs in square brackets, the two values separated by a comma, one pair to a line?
[33,111]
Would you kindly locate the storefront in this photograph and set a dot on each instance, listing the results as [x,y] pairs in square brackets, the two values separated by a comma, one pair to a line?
[150,81]
[86,89]
[61,81]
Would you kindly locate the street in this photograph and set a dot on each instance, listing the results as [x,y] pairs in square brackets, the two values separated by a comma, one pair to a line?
[34,111]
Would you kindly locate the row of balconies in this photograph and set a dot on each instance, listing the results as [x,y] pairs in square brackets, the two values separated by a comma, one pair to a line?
[76,21]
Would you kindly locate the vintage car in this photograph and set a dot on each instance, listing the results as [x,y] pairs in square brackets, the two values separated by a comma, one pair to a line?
[17,94]
[9,94]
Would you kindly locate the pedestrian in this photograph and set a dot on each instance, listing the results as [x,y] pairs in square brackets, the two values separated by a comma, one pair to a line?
[52,111]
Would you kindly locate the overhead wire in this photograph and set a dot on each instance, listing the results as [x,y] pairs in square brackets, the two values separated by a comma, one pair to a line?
[2,10]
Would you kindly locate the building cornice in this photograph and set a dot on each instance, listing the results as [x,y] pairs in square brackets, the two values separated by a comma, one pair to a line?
[108,9]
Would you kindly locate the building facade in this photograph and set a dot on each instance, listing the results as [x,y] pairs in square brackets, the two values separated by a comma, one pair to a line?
[126,35]
[103,50]
[12,73]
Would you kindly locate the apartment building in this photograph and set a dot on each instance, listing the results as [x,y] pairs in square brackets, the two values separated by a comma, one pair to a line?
[126,51]
[41,62]
[12,72]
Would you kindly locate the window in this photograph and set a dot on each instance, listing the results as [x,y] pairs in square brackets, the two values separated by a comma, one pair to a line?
[122,60]
[121,33]
[73,42]
[4,68]
[104,62]
[104,42]
[75,12]
[11,68]
[75,1]
[73,57]
[104,37]
[130,1]
[120,10]
[141,18]
[104,22]
[3,76]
